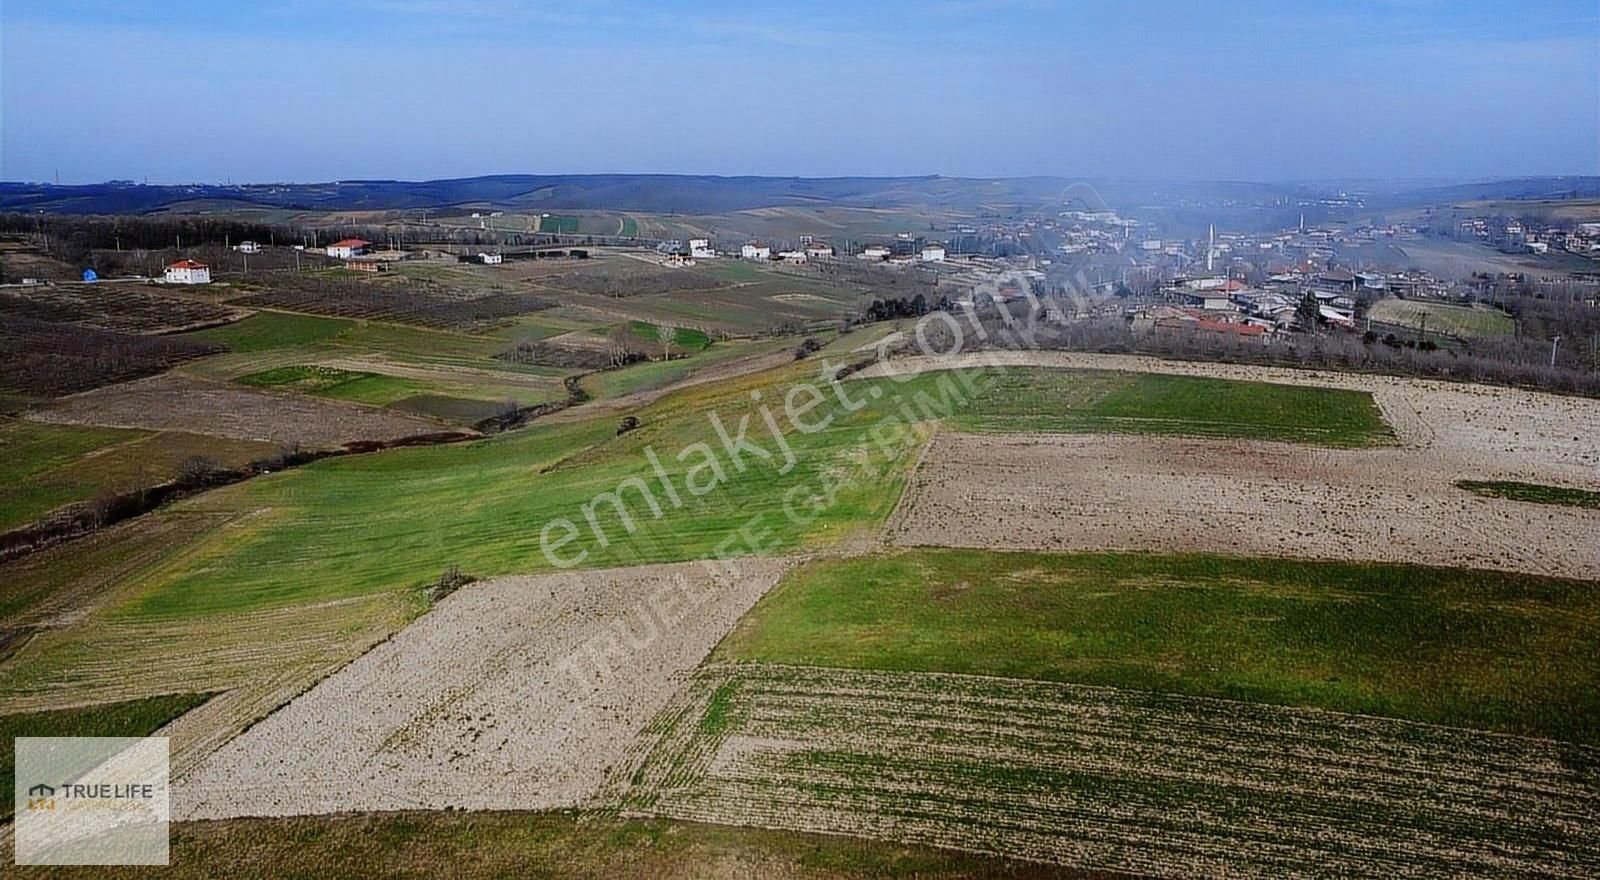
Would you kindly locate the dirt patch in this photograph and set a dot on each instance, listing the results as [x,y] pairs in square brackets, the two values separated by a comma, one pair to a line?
[1248,498]
[1509,432]
[1108,779]
[183,403]
[517,693]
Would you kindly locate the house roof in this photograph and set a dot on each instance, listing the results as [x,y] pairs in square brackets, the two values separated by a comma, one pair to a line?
[350,242]
[186,264]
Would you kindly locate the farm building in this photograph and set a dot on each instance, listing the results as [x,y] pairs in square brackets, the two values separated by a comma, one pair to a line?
[347,248]
[819,250]
[491,259]
[247,247]
[792,256]
[755,252]
[875,252]
[700,249]
[187,272]
[933,253]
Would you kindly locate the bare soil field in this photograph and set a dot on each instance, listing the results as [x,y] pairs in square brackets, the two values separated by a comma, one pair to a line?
[516,693]
[184,403]
[1109,779]
[1508,433]
[1247,498]
[124,308]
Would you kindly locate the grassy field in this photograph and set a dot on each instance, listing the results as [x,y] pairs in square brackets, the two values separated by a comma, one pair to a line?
[1078,401]
[268,330]
[335,383]
[131,718]
[495,845]
[1131,781]
[1453,320]
[1534,493]
[557,224]
[44,467]
[1488,650]
[681,338]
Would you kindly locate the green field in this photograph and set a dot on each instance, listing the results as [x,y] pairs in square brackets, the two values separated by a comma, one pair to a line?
[358,387]
[1489,650]
[131,718]
[1078,401]
[44,467]
[263,331]
[1534,493]
[682,338]
[497,845]
[1444,318]
[557,224]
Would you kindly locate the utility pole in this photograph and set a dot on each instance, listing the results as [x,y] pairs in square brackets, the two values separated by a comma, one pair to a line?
[1554,344]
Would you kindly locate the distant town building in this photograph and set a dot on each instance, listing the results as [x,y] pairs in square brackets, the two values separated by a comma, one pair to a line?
[755,252]
[933,253]
[347,248]
[819,250]
[247,247]
[491,259]
[875,252]
[187,272]
[700,249]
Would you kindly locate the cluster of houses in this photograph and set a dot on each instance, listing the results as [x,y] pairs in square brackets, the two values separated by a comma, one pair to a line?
[1527,236]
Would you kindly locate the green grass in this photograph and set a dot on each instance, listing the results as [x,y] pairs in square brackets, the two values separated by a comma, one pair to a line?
[1489,650]
[539,845]
[32,453]
[1076,401]
[131,718]
[1454,320]
[1535,493]
[332,382]
[558,224]
[683,338]
[263,331]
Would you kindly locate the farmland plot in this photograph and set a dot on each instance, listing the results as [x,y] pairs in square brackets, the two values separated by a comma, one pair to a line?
[518,693]
[181,403]
[121,308]
[1059,492]
[1113,780]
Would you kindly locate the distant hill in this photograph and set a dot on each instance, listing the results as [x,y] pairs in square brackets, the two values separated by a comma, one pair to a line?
[706,194]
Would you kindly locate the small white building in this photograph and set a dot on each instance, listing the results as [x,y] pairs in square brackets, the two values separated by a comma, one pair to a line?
[875,252]
[700,249]
[819,250]
[247,247]
[187,272]
[792,256]
[755,252]
[347,248]
[491,259]
[933,253]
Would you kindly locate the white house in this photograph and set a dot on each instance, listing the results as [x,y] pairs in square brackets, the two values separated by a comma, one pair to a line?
[792,256]
[875,252]
[755,252]
[700,249]
[188,272]
[819,250]
[349,247]
[247,247]
[491,259]
[933,253]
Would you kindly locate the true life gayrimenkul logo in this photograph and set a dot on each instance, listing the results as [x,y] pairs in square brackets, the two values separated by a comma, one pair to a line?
[91,801]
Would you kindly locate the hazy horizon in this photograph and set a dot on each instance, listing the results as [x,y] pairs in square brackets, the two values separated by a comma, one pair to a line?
[292,91]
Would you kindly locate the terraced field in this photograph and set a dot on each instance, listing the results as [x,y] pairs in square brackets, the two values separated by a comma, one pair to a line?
[1114,780]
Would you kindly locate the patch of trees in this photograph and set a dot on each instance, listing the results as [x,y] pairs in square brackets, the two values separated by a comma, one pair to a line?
[46,359]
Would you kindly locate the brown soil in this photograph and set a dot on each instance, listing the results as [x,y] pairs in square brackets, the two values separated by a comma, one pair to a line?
[174,402]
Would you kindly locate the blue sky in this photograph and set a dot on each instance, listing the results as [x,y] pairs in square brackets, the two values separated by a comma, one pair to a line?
[296,90]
